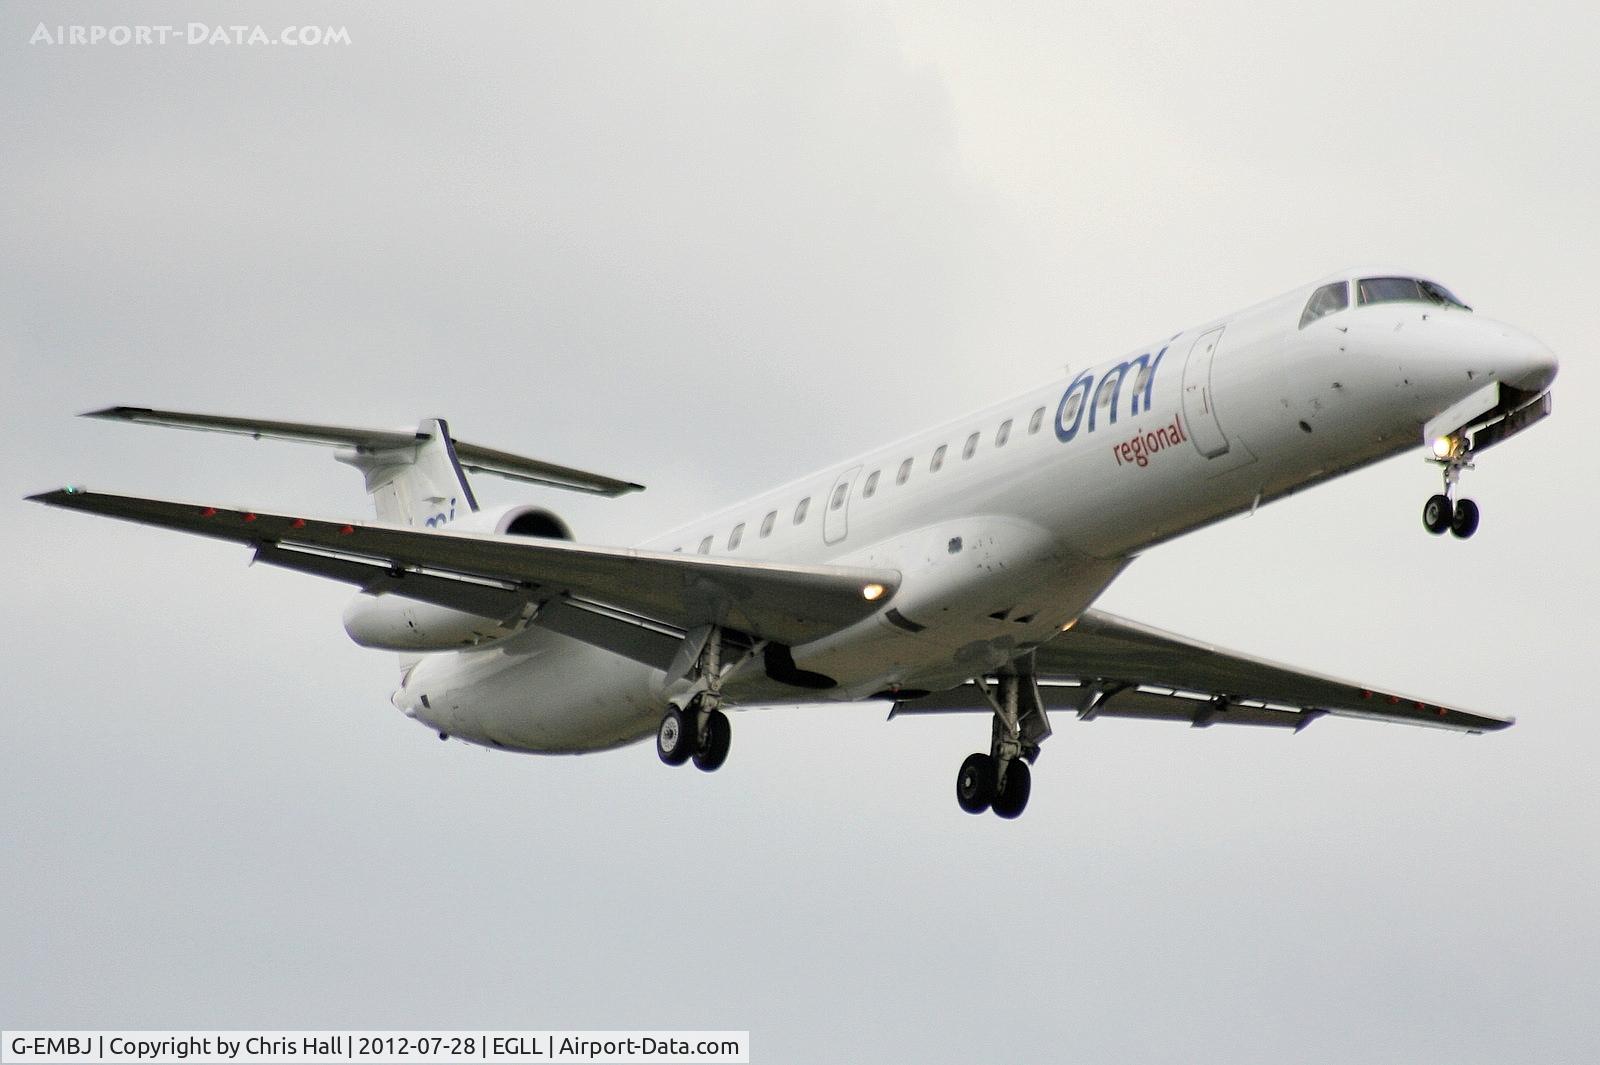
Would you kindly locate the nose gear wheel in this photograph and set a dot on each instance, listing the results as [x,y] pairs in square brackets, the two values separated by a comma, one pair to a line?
[1436,514]
[1443,512]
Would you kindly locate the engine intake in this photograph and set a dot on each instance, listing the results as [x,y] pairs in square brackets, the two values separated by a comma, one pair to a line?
[514,520]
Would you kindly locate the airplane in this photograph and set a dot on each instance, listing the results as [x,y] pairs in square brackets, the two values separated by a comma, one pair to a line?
[954,570]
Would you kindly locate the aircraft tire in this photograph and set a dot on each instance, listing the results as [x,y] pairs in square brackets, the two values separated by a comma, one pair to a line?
[1013,796]
[975,783]
[1437,514]
[713,751]
[675,737]
[1464,522]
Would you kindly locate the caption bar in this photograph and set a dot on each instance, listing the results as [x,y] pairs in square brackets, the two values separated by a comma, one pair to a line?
[324,1048]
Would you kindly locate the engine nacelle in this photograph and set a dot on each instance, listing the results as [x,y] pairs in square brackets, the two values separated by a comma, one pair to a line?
[513,520]
[396,623]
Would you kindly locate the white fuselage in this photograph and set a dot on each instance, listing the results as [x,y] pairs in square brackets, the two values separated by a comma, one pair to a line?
[1038,504]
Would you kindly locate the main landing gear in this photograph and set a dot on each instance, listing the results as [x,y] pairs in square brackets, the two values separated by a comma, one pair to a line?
[698,730]
[1001,780]
[1443,511]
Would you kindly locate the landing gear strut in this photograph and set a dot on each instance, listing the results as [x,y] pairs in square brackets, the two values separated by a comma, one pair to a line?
[1001,780]
[699,729]
[1443,511]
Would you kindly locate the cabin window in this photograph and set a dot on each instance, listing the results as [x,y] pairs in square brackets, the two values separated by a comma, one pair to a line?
[766,523]
[938,458]
[839,495]
[905,473]
[871,486]
[1142,378]
[735,536]
[1325,301]
[970,447]
[800,510]
[1036,421]
[1004,433]
[1069,416]
[705,546]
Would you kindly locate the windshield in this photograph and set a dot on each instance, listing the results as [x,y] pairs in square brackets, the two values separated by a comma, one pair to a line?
[1325,301]
[1404,290]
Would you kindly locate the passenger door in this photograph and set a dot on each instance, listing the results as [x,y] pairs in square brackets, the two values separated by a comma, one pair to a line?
[836,507]
[1199,405]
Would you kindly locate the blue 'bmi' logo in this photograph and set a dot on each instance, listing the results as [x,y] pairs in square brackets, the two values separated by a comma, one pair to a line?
[434,521]
[1082,399]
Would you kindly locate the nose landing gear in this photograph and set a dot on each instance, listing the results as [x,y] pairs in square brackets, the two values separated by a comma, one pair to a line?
[1443,511]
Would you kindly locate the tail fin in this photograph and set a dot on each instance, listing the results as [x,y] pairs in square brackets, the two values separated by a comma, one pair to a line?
[416,479]
[420,484]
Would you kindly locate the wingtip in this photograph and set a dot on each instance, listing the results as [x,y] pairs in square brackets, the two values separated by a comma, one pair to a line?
[614,491]
[55,496]
[119,413]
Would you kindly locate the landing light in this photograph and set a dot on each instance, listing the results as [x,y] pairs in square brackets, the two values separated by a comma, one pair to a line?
[1444,447]
[873,592]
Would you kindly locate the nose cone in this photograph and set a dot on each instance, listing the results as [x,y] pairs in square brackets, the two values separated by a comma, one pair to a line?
[1521,361]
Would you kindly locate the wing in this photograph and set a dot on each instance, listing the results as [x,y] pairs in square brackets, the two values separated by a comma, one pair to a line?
[1107,666]
[489,574]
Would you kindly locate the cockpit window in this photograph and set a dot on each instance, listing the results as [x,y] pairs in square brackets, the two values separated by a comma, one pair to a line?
[1439,294]
[1326,300]
[1404,290]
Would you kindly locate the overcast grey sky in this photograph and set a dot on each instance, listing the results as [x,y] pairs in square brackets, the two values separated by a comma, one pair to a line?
[708,248]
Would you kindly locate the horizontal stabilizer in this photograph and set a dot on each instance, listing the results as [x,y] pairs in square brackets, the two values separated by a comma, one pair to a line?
[471,456]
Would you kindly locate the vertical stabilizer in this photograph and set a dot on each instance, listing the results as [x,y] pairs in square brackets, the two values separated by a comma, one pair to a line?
[420,484]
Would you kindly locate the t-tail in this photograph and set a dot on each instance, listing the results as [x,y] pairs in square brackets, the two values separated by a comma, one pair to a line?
[419,483]
[415,478]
